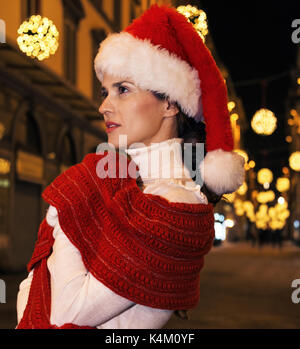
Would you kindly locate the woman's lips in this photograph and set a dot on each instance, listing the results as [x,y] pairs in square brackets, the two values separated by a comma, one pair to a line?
[111,129]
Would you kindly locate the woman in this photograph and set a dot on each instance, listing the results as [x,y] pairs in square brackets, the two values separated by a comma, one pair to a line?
[111,254]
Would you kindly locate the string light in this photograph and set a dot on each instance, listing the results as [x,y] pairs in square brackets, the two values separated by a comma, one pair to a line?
[282,184]
[295,120]
[254,194]
[239,208]
[2,130]
[243,154]
[261,217]
[265,196]
[278,214]
[288,139]
[229,197]
[264,122]
[234,117]
[264,176]
[242,190]
[197,17]
[38,37]
[4,166]
[249,210]
[231,106]
[285,170]
[229,223]
[252,164]
[294,161]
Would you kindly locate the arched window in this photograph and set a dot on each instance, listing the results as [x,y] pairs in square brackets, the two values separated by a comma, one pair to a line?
[67,151]
[27,135]
[33,140]
[73,13]
[98,35]
[110,11]
[30,7]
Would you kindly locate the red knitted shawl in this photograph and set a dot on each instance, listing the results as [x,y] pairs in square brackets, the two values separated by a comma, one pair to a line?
[141,246]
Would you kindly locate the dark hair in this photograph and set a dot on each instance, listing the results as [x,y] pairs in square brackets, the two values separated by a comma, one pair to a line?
[191,132]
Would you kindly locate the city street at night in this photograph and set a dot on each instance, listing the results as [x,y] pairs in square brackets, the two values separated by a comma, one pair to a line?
[244,287]
[241,287]
[133,133]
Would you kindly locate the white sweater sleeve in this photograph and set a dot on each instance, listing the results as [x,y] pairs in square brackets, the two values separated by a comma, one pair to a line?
[78,297]
[22,296]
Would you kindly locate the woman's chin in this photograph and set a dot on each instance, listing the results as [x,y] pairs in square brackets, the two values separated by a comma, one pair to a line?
[118,140]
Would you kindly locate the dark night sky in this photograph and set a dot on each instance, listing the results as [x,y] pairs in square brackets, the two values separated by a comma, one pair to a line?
[253,39]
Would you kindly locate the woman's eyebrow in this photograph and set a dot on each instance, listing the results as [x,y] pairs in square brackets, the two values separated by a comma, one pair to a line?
[116,84]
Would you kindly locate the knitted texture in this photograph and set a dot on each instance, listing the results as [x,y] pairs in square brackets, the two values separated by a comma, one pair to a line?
[37,311]
[141,246]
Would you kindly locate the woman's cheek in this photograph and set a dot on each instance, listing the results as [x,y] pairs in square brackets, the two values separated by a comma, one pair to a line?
[136,127]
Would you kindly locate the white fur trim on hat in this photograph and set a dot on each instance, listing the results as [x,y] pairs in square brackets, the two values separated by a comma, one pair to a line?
[223,171]
[151,67]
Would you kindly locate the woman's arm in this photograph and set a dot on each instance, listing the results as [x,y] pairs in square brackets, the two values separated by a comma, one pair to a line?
[139,317]
[23,294]
[76,295]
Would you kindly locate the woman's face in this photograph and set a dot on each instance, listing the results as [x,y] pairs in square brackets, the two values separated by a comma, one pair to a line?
[141,116]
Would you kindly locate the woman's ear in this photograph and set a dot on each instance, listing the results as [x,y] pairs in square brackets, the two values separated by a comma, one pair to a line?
[170,109]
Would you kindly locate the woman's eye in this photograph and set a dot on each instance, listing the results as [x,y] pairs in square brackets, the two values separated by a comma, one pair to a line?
[122,88]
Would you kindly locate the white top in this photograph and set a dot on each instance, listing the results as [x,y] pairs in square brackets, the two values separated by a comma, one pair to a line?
[76,295]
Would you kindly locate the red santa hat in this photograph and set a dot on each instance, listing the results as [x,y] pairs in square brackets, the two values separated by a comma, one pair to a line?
[161,51]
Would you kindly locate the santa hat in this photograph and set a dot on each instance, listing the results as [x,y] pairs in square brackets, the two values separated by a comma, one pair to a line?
[161,51]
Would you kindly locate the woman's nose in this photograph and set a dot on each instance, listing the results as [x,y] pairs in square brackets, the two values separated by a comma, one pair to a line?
[105,106]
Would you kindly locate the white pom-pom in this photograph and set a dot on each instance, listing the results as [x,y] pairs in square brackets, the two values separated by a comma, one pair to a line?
[223,171]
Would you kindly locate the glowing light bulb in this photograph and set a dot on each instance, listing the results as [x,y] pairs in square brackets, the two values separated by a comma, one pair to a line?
[38,37]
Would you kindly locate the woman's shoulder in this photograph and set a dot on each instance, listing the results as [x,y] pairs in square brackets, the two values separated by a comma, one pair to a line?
[177,193]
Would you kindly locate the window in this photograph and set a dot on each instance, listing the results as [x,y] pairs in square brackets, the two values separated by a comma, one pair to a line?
[70,50]
[135,9]
[117,14]
[101,7]
[33,141]
[98,4]
[98,35]
[73,13]
[30,7]
[27,134]
[67,151]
